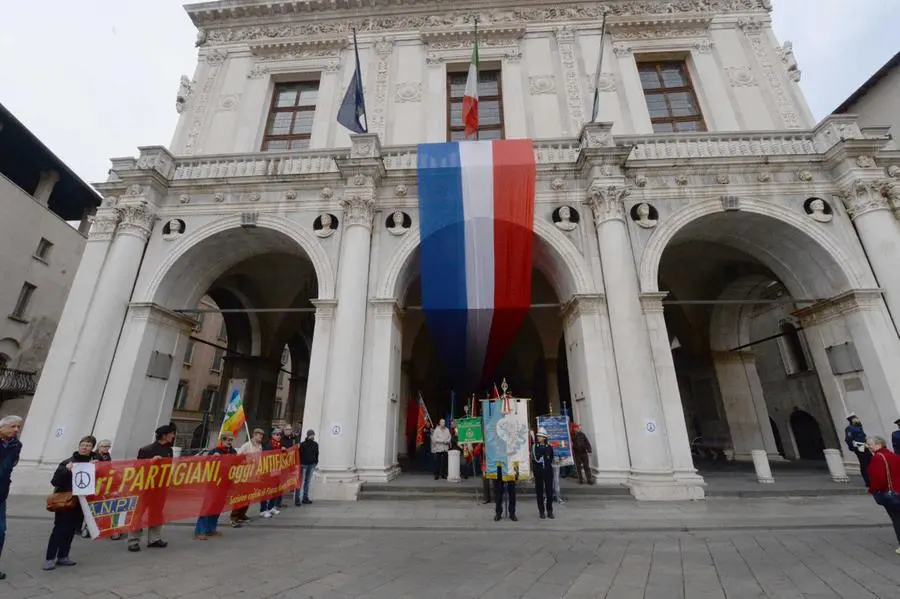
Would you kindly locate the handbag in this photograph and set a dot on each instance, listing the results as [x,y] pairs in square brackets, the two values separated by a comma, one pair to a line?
[61,501]
[889,499]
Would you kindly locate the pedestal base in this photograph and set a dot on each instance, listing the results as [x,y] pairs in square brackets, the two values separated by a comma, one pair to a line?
[668,486]
[32,479]
[378,475]
[330,490]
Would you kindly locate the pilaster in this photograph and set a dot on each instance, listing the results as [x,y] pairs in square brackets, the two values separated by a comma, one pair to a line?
[318,365]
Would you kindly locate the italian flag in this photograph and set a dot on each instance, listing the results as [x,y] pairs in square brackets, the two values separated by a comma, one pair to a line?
[470,99]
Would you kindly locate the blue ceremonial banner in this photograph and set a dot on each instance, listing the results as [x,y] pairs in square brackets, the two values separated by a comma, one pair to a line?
[558,437]
[506,439]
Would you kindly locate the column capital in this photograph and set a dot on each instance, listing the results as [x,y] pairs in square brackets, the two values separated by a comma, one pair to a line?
[324,308]
[652,302]
[359,209]
[158,314]
[582,304]
[607,202]
[138,217]
[862,196]
[385,307]
[839,306]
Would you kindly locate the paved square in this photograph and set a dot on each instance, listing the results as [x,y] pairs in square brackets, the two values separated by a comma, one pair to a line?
[729,549]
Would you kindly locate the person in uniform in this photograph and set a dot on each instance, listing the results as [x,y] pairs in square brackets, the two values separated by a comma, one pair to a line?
[542,458]
[510,486]
[855,438]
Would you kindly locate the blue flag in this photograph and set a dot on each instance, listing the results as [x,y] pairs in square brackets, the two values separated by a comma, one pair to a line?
[353,109]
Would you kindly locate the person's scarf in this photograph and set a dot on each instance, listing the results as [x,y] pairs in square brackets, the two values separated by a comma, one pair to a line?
[275,443]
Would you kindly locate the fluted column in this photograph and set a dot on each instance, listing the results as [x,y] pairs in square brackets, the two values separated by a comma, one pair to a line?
[868,204]
[342,390]
[319,354]
[645,423]
[93,355]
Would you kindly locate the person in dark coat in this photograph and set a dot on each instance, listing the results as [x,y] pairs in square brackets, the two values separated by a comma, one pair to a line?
[161,449]
[884,476]
[542,461]
[855,438]
[207,525]
[101,455]
[581,450]
[510,486]
[10,448]
[895,437]
[309,459]
[67,522]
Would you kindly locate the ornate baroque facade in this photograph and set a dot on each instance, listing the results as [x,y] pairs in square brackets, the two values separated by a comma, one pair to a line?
[706,181]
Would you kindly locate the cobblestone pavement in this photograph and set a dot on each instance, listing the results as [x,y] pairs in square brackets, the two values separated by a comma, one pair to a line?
[825,548]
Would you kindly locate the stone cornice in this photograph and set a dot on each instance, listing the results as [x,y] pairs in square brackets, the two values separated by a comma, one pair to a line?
[839,306]
[247,20]
[161,315]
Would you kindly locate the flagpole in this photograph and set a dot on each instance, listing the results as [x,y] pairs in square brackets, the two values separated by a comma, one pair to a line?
[477,73]
[595,109]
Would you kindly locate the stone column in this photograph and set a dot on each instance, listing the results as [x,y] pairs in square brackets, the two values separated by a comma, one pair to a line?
[45,186]
[42,420]
[550,364]
[670,395]
[342,396]
[744,403]
[375,456]
[596,403]
[90,362]
[869,207]
[405,397]
[318,366]
[644,421]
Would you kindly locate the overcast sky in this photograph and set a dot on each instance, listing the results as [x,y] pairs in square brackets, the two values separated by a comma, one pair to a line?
[95,79]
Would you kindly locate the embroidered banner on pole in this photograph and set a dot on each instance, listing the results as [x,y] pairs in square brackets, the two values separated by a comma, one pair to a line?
[476,207]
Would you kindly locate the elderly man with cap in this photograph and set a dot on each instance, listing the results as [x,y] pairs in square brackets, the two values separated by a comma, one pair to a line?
[855,438]
[542,458]
[158,450]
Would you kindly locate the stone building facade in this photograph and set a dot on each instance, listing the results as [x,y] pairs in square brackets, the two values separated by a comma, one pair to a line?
[703,213]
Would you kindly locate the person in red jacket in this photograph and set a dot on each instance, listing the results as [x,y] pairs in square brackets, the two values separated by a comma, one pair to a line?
[884,480]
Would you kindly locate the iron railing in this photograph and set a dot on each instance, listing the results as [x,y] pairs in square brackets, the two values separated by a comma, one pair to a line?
[17,382]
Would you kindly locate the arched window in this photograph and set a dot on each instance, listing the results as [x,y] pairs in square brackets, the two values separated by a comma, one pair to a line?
[793,354]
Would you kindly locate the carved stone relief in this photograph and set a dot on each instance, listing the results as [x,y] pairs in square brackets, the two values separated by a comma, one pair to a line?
[607,202]
[565,218]
[753,30]
[173,229]
[398,223]
[214,59]
[565,41]
[325,225]
[408,91]
[644,215]
[542,84]
[741,76]
[185,87]
[819,210]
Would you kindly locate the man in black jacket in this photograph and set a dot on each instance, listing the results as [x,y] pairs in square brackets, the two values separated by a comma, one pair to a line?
[542,461]
[10,448]
[309,459]
[158,450]
[581,449]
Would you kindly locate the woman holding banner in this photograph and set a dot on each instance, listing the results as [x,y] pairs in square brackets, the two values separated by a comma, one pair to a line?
[206,525]
[67,517]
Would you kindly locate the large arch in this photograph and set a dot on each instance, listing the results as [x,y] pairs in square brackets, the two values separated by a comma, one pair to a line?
[215,246]
[556,256]
[791,242]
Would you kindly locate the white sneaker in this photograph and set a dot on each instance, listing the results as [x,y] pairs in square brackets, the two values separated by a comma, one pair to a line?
[266,514]
[275,511]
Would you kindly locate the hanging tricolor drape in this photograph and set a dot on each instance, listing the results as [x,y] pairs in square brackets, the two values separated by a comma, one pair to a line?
[476,207]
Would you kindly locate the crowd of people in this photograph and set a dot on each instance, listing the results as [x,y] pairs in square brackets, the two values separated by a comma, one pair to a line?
[68,517]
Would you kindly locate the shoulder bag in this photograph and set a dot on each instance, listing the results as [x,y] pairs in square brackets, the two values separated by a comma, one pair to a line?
[889,499]
[61,501]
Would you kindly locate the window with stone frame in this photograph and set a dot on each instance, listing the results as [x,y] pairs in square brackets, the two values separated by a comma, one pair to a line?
[793,352]
[23,301]
[291,113]
[188,353]
[216,365]
[670,95]
[208,399]
[490,105]
[181,395]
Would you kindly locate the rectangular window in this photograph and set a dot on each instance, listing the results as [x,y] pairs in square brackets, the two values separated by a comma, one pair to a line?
[43,250]
[24,300]
[223,331]
[181,395]
[209,398]
[217,361]
[291,113]
[670,96]
[198,325]
[490,105]
[189,352]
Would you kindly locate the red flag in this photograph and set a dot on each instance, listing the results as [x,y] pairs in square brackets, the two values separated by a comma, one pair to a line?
[470,99]
[496,394]
[422,419]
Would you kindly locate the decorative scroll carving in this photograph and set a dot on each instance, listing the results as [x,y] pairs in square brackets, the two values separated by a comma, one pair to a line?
[104,223]
[786,53]
[359,210]
[156,159]
[753,30]
[565,40]
[862,197]
[137,220]
[215,59]
[607,202]
[383,49]
[185,87]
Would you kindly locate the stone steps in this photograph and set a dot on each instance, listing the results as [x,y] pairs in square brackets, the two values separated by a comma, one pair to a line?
[468,492]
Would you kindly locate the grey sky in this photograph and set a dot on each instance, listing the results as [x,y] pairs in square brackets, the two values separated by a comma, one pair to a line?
[95,79]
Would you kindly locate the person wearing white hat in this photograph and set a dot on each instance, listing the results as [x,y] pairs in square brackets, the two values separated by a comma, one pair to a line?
[855,438]
[542,456]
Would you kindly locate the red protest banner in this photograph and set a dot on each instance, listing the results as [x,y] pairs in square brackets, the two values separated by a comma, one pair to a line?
[132,494]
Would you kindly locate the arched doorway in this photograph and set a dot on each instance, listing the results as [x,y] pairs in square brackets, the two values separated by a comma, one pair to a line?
[752,310]
[779,444]
[807,436]
[258,283]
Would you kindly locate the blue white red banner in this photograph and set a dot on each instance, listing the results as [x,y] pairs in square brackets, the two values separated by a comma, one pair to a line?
[476,207]
[557,428]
